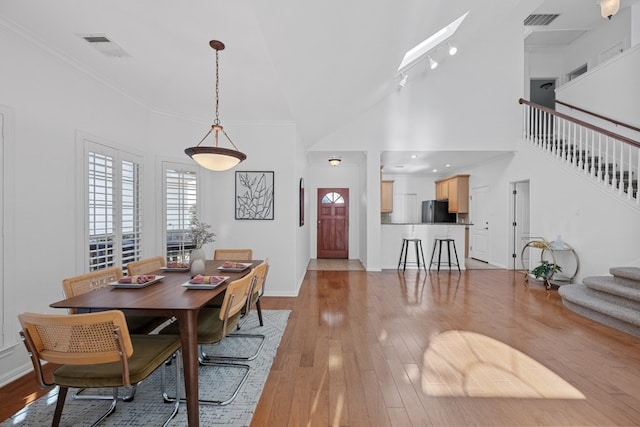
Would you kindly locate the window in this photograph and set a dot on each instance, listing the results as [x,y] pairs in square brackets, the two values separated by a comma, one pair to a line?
[333,197]
[180,201]
[113,206]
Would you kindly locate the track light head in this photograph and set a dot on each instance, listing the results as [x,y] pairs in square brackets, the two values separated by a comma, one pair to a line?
[403,81]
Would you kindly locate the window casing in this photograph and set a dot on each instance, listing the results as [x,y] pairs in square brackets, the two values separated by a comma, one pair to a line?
[114,214]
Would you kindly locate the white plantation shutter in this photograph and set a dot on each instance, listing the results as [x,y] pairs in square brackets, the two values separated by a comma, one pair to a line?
[180,202]
[113,207]
[130,207]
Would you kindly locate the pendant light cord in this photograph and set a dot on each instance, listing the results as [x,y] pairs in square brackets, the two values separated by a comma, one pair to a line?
[217,120]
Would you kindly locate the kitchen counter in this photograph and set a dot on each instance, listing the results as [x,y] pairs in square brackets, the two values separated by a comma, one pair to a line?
[427,223]
[391,242]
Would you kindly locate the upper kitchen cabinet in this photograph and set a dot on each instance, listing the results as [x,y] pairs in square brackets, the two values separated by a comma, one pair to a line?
[455,189]
[442,190]
[386,196]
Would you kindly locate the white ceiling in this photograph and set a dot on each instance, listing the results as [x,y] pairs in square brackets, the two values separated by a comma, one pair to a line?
[318,64]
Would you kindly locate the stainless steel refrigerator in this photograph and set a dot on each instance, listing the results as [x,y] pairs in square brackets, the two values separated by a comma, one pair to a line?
[436,211]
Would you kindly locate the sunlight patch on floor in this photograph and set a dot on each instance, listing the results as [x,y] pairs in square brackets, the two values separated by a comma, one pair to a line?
[462,363]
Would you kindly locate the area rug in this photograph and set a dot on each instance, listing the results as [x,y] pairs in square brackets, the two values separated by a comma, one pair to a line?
[148,407]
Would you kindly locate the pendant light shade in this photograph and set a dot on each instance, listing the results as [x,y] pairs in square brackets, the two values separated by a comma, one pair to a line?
[214,157]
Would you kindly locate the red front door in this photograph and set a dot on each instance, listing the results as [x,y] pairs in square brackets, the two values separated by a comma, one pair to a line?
[333,223]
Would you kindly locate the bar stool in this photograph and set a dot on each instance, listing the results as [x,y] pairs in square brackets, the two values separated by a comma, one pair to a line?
[449,242]
[405,249]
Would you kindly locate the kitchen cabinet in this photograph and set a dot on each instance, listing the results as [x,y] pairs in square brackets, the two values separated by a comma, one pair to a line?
[386,196]
[457,192]
[442,190]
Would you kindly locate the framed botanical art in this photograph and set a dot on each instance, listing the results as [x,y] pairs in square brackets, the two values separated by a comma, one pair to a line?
[254,195]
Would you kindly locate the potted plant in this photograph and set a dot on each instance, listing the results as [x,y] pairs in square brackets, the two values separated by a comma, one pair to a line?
[545,270]
[200,235]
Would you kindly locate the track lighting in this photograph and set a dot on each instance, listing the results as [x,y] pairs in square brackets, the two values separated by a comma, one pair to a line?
[403,81]
[433,64]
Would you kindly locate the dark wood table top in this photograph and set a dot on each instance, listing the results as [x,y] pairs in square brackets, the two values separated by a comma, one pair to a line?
[166,295]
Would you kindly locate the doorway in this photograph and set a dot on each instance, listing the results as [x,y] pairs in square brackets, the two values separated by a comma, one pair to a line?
[333,223]
[520,219]
[479,247]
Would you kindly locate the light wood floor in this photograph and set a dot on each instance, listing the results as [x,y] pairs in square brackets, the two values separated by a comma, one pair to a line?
[429,349]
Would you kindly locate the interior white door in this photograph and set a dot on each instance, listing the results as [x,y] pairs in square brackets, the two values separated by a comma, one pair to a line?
[480,244]
[521,223]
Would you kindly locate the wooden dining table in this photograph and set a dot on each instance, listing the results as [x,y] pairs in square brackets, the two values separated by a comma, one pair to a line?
[166,297]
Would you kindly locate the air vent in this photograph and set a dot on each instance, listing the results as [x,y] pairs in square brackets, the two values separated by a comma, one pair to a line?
[104,45]
[540,19]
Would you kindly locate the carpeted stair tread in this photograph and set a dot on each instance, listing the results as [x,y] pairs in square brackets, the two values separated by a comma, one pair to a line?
[608,285]
[602,318]
[578,294]
[627,276]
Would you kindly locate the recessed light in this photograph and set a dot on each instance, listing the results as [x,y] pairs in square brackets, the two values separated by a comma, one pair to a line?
[414,156]
[435,170]
[448,165]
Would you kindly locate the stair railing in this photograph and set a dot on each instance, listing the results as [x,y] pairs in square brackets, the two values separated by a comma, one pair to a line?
[610,159]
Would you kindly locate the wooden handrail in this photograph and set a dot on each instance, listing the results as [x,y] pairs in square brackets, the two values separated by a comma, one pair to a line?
[581,123]
[614,121]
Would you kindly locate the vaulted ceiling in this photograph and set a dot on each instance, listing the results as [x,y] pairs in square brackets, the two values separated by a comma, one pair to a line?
[318,64]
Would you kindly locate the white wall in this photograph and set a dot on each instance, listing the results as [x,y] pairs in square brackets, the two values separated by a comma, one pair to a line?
[611,89]
[53,102]
[563,202]
[588,49]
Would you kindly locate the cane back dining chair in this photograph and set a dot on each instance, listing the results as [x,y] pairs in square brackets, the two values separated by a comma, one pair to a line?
[77,285]
[97,279]
[229,254]
[261,271]
[146,265]
[214,324]
[94,350]
[225,254]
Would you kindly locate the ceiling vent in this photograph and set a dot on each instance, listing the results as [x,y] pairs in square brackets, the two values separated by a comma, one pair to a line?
[540,19]
[104,45]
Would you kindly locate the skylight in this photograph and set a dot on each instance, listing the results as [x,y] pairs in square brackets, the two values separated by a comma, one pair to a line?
[430,43]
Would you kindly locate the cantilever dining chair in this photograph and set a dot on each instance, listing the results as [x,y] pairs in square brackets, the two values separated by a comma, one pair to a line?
[225,254]
[83,283]
[214,324]
[77,285]
[261,271]
[146,265]
[95,350]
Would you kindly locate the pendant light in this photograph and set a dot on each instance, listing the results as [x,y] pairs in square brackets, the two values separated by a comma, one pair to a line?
[608,8]
[216,158]
[334,160]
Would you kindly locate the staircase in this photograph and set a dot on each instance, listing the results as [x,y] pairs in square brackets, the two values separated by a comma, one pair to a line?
[611,300]
[609,159]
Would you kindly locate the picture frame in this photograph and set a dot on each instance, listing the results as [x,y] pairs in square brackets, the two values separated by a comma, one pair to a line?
[301,201]
[254,193]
